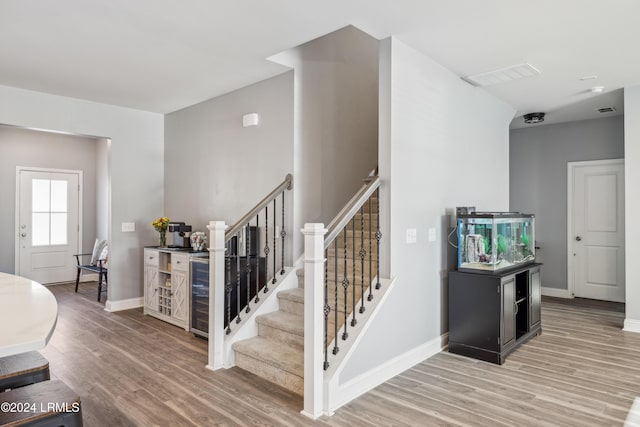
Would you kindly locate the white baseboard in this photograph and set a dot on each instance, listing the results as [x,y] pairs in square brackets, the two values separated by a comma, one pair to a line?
[556,293]
[373,378]
[125,304]
[631,325]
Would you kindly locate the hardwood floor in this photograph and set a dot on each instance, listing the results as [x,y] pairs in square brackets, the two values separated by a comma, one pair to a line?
[134,370]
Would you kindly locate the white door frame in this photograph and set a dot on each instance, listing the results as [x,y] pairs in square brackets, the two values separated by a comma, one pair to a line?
[571,167]
[17,207]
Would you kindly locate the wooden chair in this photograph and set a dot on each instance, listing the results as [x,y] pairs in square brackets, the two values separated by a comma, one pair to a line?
[99,268]
[44,404]
[23,369]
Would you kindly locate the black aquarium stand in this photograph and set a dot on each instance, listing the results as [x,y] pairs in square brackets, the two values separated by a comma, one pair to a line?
[491,314]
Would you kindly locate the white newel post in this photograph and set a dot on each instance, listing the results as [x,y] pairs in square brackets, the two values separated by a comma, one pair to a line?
[216,294]
[313,318]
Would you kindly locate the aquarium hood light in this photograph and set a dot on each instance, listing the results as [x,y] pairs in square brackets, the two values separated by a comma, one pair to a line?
[533,118]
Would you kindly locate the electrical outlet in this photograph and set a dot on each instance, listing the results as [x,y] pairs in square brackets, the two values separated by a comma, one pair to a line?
[412,235]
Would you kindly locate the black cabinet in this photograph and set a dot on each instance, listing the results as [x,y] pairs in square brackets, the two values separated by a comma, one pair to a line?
[491,314]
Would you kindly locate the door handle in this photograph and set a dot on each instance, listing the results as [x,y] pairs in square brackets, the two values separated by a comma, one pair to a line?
[578,238]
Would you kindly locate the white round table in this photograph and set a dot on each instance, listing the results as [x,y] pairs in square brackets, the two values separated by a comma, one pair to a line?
[28,315]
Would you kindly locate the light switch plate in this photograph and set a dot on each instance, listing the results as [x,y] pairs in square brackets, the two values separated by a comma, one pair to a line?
[128,227]
[432,234]
[412,235]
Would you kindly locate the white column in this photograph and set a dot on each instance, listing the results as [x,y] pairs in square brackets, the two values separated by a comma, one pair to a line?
[216,294]
[313,319]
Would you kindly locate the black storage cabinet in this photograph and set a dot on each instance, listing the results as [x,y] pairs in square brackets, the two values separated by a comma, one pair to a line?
[490,314]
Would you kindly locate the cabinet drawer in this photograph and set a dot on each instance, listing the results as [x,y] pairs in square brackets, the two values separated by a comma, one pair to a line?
[180,262]
[151,257]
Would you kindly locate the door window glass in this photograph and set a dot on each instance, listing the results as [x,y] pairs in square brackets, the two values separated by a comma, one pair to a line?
[49,212]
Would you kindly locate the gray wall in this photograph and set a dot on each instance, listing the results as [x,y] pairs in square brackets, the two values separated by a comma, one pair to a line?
[538,164]
[443,143]
[632,205]
[217,170]
[336,122]
[24,147]
[136,167]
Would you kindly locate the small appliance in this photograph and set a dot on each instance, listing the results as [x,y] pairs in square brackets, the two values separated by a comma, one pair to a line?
[179,233]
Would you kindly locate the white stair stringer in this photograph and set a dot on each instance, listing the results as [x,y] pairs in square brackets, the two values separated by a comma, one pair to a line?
[334,393]
[268,303]
[338,391]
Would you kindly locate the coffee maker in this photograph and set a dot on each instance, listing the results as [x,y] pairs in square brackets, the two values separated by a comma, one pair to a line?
[180,234]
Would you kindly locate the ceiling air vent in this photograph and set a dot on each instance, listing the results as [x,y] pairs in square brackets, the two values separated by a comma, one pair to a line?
[606,109]
[515,72]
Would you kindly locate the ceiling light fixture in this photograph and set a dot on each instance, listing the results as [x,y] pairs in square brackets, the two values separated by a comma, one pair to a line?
[533,118]
[597,89]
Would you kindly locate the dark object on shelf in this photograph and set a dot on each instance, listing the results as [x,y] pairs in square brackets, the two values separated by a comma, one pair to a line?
[491,314]
[200,290]
[180,233]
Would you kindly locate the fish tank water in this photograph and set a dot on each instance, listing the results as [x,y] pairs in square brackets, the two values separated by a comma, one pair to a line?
[493,241]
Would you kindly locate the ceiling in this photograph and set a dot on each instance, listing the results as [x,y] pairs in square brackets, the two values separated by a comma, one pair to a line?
[161,55]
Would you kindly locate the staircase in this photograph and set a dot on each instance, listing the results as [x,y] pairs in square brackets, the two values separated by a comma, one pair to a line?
[277,352]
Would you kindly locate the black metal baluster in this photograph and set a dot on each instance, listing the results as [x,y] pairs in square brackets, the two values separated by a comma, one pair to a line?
[355,282]
[370,297]
[363,253]
[335,295]
[248,266]
[326,309]
[275,242]
[266,247]
[238,287]
[345,284]
[283,234]
[378,237]
[228,288]
[257,258]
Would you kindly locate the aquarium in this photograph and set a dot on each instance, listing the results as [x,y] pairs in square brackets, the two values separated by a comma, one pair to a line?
[493,241]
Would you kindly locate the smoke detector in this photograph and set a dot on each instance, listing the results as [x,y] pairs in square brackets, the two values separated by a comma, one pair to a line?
[533,118]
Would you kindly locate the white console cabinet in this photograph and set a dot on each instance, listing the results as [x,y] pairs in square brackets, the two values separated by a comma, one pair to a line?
[166,286]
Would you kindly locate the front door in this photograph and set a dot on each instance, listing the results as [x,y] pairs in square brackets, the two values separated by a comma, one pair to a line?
[48,226]
[596,233]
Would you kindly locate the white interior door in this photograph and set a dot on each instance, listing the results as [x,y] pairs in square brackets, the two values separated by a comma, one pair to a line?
[48,226]
[596,229]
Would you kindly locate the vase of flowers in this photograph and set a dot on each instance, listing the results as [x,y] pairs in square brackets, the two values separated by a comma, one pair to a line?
[161,225]
[198,240]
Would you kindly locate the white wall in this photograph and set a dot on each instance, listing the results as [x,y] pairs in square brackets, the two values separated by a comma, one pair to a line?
[538,178]
[443,144]
[335,122]
[102,189]
[25,147]
[136,168]
[217,170]
[632,204]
